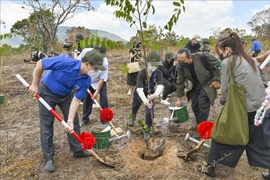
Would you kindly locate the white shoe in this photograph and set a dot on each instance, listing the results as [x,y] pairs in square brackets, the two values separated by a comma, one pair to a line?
[129,92]
[81,103]
[95,106]
[165,102]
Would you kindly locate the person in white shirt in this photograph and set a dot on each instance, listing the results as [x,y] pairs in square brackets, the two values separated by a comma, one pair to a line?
[98,86]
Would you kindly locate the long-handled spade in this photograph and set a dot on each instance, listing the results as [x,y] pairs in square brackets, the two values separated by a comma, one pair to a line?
[103,113]
[87,140]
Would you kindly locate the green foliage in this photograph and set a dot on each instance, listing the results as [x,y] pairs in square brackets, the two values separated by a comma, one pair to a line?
[6,35]
[124,68]
[144,126]
[260,24]
[182,42]
[179,6]
[136,13]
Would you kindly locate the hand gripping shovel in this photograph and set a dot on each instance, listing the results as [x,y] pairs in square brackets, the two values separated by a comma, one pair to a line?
[105,114]
[87,140]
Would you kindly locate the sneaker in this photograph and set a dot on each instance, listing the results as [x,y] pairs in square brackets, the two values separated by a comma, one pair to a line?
[82,153]
[146,135]
[49,166]
[165,102]
[81,103]
[129,92]
[265,176]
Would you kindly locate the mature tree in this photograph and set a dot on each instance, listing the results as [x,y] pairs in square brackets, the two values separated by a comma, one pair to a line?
[46,16]
[72,32]
[260,24]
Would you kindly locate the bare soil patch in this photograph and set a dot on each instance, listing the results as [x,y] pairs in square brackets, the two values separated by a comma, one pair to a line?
[21,156]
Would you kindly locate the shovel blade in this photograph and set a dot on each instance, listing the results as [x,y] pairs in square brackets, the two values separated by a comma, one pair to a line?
[100,159]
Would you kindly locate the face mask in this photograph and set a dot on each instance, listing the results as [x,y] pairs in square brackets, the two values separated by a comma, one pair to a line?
[92,73]
[196,42]
[221,57]
[152,68]
[33,52]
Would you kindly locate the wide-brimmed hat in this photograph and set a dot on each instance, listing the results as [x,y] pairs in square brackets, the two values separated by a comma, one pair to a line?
[154,58]
[95,58]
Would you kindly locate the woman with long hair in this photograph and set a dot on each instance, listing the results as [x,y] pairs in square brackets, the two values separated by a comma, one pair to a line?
[246,73]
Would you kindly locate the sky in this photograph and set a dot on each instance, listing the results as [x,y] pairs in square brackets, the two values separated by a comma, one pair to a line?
[201,16]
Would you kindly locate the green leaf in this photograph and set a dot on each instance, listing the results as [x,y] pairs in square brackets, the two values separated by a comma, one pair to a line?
[144,25]
[182,1]
[153,10]
[176,4]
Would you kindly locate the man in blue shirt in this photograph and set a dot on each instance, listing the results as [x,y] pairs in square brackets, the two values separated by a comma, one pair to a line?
[64,85]
[256,47]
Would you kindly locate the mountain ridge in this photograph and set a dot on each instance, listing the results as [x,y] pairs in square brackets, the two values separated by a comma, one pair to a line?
[15,41]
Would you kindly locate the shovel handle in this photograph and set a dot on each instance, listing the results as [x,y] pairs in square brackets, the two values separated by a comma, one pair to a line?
[92,97]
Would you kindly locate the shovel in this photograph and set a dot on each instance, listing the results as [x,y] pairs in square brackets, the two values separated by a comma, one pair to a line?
[116,130]
[87,143]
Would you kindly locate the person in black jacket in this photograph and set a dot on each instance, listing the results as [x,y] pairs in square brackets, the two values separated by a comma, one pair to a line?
[194,44]
[168,70]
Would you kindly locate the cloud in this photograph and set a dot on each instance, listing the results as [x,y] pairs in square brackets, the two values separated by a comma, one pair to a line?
[11,13]
[200,18]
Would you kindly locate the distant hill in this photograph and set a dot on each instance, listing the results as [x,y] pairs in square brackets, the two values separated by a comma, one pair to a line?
[61,34]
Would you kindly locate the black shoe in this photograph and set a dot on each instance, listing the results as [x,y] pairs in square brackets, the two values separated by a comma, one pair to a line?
[85,124]
[81,153]
[265,176]
[193,128]
[210,171]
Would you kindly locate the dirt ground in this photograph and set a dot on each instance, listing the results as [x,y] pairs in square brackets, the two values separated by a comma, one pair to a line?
[21,156]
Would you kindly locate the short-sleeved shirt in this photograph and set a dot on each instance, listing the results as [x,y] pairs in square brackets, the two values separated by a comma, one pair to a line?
[156,78]
[133,52]
[65,76]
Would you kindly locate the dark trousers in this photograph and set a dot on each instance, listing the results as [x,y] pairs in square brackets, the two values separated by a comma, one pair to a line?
[200,105]
[136,104]
[257,149]
[47,121]
[88,102]
[169,87]
[256,53]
